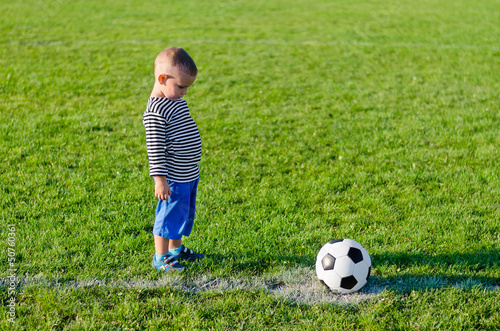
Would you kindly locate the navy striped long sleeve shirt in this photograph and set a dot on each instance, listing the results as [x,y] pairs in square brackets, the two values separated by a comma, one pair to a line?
[173,140]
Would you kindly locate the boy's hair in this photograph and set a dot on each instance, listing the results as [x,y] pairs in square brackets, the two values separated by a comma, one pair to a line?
[178,58]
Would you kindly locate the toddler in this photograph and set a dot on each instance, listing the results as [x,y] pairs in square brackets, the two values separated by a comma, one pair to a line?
[174,151]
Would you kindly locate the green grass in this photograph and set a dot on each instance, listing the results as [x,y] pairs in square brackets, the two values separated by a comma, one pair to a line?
[371,120]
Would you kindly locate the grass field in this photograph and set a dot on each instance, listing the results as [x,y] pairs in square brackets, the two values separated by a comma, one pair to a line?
[371,120]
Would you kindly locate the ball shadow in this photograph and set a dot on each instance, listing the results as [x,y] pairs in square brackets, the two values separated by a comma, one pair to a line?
[473,266]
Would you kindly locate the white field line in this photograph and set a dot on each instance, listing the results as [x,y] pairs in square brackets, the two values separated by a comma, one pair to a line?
[299,286]
[252,42]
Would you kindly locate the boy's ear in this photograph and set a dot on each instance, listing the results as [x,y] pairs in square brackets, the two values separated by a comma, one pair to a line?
[162,79]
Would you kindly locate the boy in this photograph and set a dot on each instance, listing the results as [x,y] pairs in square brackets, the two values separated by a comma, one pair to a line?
[174,151]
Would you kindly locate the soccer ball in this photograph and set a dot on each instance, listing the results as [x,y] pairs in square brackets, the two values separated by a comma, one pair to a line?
[343,265]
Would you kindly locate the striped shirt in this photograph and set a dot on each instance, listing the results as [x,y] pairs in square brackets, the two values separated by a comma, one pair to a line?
[173,140]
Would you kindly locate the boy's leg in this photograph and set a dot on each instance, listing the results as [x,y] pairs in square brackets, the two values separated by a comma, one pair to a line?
[161,245]
[173,244]
[163,260]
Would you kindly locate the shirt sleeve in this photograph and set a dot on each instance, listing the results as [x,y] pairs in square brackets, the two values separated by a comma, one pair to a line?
[156,132]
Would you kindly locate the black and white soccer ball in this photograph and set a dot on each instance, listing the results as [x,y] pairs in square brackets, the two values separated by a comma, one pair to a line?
[343,265]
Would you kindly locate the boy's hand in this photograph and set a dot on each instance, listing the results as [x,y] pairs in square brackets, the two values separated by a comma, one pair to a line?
[162,189]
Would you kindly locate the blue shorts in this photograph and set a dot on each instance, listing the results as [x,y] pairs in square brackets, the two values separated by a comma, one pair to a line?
[175,216]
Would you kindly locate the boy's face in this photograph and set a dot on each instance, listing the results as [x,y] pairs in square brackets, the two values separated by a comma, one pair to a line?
[174,85]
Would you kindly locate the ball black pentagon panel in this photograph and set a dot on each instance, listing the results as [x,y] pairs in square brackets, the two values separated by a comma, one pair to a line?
[355,255]
[369,271]
[335,241]
[328,262]
[348,282]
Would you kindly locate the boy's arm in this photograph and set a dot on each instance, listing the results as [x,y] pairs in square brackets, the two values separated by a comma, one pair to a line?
[162,189]
[156,132]
[155,140]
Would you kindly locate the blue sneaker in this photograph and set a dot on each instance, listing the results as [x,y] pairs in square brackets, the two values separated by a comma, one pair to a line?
[167,264]
[188,254]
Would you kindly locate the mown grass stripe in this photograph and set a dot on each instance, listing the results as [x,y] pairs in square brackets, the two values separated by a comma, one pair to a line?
[254,42]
